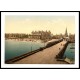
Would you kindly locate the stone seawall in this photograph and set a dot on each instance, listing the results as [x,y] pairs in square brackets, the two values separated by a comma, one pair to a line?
[61,53]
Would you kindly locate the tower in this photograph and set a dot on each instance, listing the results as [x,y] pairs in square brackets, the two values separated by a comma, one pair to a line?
[66,33]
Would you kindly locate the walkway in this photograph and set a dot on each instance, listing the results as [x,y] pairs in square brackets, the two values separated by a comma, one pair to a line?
[47,56]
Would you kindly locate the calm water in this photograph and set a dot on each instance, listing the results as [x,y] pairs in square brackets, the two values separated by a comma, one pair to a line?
[70,53]
[15,48]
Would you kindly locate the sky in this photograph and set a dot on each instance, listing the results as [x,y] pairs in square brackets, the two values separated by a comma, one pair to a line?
[28,23]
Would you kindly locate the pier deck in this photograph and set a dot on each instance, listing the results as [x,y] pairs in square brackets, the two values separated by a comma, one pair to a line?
[46,56]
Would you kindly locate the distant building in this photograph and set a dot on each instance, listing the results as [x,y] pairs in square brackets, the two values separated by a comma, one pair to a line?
[66,37]
[66,33]
[58,36]
[15,35]
[43,35]
[72,37]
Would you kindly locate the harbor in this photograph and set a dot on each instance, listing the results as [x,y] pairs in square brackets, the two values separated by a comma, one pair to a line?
[38,49]
[37,44]
[45,55]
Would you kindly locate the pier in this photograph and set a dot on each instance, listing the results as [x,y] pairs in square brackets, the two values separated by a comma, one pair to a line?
[48,44]
[46,56]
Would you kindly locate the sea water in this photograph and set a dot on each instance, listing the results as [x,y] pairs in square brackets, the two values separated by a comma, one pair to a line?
[70,51]
[15,48]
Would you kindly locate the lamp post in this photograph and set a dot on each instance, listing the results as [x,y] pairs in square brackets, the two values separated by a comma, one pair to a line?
[31,46]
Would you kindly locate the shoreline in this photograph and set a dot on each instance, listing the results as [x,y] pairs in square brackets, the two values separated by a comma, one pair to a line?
[26,39]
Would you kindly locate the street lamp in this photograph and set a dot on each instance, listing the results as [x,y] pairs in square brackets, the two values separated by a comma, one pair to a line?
[31,46]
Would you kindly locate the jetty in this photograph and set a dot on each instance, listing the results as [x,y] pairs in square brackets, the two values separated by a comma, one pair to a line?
[45,56]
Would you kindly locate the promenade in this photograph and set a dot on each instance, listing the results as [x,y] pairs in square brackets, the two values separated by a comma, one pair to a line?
[46,56]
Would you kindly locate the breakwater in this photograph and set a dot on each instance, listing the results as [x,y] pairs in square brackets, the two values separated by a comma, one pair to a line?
[32,52]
